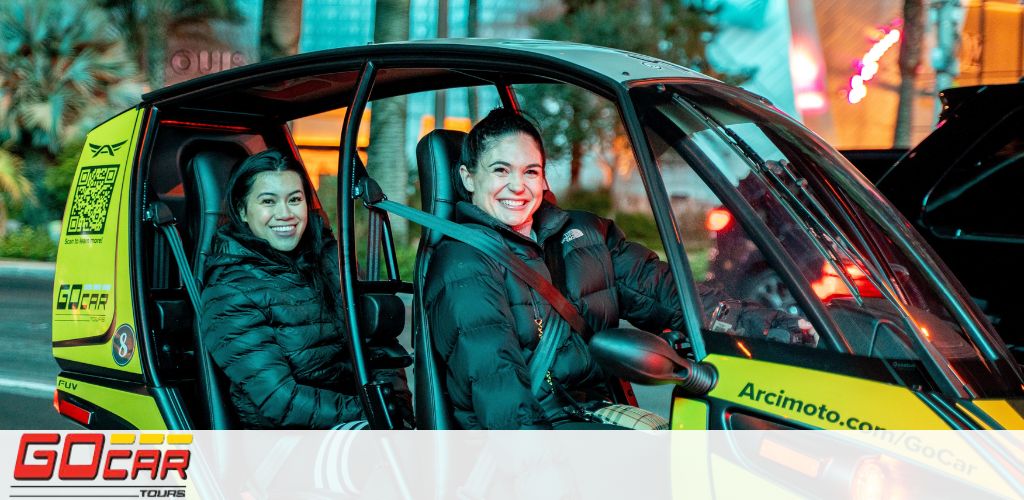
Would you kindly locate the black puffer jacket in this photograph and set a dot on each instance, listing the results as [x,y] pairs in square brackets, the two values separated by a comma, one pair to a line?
[482,316]
[270,332]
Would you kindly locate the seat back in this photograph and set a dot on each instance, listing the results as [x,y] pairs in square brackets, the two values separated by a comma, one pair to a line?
[437,155]
[205,177]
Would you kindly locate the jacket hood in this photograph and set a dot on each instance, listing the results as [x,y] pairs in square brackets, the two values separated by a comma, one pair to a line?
[547,220]
[231,247]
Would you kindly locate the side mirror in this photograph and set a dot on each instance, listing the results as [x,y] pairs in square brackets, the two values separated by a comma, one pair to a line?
[645,358]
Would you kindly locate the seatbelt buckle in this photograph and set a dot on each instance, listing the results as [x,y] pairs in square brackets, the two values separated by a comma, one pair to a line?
[159,214]
[369,191]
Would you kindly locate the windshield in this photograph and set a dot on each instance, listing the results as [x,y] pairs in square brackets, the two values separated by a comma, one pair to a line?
[803,243]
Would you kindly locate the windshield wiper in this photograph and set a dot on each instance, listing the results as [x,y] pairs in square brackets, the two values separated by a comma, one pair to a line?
[939,369]
[768,173]
[872,268]
[824,228]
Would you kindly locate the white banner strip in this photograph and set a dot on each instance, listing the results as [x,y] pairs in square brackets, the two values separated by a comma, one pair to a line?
[255,465]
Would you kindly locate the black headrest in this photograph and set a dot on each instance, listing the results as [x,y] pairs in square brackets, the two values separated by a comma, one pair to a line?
[437,156]
[206,176]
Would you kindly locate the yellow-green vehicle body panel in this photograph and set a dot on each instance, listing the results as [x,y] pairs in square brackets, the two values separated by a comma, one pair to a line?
[807,398]
[95,336]
[136,408]
[689,414]
[815,399]
[876,418]
[1008,414]
[93,313]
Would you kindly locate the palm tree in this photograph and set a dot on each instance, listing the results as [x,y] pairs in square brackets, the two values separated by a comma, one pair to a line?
[386,156]
[63,70]
[14,187]
[909,63]
[279,28]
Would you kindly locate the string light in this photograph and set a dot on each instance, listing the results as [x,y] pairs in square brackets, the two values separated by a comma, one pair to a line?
[868,65]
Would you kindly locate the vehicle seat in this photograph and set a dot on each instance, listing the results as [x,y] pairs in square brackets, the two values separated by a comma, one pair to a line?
[205,177]
[436,156]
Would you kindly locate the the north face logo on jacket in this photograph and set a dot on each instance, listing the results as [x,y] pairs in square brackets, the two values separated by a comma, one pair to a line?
[570,235]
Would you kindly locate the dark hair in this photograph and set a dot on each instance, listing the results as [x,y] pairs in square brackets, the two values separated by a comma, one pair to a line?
[500,122]
[307,257]
[244,176]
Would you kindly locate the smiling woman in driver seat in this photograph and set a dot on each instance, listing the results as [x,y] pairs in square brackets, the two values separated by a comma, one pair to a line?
[270,312]
[489,324]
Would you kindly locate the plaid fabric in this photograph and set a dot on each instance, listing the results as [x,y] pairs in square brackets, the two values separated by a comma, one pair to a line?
[630,417]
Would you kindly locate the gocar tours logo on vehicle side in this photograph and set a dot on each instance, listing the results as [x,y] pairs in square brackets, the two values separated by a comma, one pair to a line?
[82,296]
[154,463]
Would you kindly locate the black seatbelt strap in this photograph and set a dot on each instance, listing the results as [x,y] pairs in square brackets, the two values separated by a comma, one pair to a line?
[373,250]
[162,218]
[159,214]
[505,257]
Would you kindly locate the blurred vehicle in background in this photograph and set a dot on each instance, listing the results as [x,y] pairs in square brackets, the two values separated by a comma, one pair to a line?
[958,188]
[874,163]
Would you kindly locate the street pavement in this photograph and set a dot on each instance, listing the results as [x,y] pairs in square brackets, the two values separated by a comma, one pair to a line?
[27,368]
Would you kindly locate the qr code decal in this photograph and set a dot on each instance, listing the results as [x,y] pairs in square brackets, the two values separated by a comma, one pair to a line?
[92,199]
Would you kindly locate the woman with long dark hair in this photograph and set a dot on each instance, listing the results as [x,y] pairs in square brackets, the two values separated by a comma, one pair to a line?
[270,310]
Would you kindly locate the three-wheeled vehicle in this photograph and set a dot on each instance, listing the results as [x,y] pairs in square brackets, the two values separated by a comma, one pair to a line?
[901,344]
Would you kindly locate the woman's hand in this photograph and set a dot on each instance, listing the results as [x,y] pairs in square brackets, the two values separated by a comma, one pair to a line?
[792,330]
[753,320]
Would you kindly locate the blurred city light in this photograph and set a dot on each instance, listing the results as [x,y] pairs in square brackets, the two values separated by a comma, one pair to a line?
[718,219]
[810,100]
[868,65]
[805,70]
[805,67]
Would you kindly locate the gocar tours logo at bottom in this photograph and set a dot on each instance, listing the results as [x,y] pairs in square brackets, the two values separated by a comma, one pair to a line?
[77,465]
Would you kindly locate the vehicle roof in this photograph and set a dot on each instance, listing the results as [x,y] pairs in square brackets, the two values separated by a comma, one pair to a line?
[968,114]
[296,85]
[1001,96]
